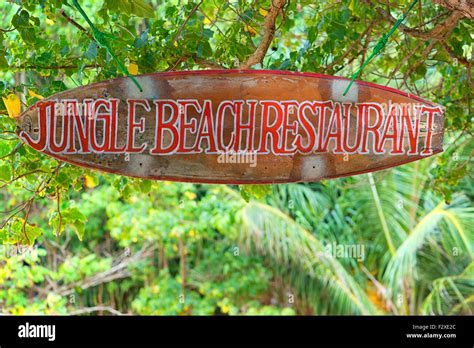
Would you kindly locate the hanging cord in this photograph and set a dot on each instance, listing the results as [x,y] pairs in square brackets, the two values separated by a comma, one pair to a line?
[380,45]
[101,40]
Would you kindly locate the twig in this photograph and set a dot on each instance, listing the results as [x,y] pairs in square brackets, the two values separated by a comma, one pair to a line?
[178,33]
[199,61]
[179,61]
[26,206]
[60,218]
[437,33]
[14,151]
[6,183]
[243,19]
[206,63]
[7,30]
[118,271]
[364,49]
[403,61]
[77,25]
[213,23]
[182,264]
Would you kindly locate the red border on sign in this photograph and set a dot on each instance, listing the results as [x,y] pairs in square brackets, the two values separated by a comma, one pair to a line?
[253,72]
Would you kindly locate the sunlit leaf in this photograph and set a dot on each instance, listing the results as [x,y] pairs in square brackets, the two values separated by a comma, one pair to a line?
[13,105]
[132,69]
[35,95]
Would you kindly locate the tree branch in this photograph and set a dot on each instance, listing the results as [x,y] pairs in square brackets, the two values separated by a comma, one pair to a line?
[268,34]
[453,55]
[466,7]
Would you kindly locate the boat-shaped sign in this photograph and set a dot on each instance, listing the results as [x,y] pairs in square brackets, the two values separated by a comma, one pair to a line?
[234,126]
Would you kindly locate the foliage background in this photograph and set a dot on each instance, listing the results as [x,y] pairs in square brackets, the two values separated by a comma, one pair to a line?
[81,242]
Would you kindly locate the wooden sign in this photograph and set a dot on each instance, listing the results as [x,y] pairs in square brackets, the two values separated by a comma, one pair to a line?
[234,126]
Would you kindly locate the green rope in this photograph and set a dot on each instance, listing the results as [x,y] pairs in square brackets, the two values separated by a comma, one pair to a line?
[101,40]
[380,45]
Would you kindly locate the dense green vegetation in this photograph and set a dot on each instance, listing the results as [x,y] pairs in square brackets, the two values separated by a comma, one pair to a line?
[82,242]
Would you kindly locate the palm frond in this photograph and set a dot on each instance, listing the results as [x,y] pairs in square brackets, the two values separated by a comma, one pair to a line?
[277,236]
[453,292]
[403,263]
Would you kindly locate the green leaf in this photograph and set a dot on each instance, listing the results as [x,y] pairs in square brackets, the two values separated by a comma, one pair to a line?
[142,9]
[5,148]
[204,50]
[337,31]
[421,70]
[135,7]
[71,217]
[3,61]
[21,19]
[15,234]
[73,214]
[141,40]
[91,52]
[257,191]
[79,228]
[35,21]
[145,185]
[27,34]
[5,172]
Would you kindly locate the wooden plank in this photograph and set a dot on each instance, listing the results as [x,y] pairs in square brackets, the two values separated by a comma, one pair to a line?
[234,126]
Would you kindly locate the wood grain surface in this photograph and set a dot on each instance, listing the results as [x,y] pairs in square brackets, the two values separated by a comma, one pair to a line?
[194,125]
